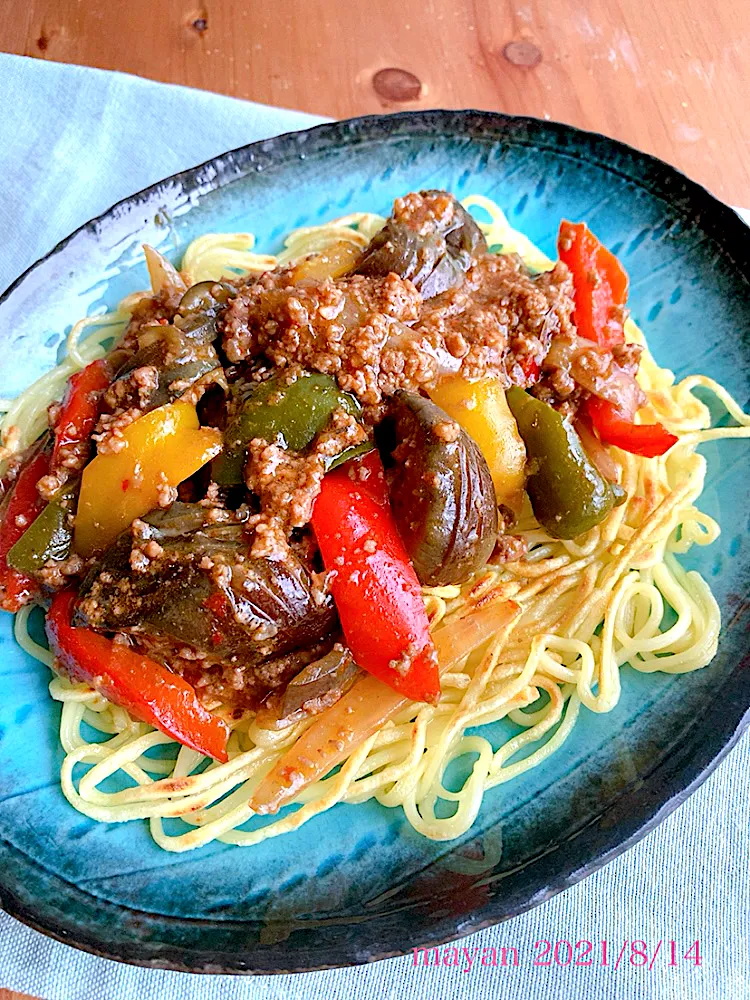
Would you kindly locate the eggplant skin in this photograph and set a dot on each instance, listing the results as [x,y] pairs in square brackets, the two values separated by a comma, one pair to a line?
[252,610]
[430,239]
[441,491]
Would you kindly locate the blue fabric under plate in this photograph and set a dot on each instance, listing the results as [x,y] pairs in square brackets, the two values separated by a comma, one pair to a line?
[72,142]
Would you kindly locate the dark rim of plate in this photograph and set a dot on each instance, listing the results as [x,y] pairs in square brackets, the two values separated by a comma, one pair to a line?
[637,810]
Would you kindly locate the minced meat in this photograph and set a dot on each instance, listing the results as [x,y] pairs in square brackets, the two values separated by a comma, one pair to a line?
[377,335]
[288,482]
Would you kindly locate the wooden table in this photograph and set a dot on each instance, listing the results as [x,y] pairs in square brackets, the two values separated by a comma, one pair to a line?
[670,77]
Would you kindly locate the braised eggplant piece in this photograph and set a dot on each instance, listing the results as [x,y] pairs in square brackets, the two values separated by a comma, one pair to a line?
[205,297]
[316,687]
[179,361]
[182,353]
[441,491]
[200,307]
[179,575]
[241,684]
[430,239]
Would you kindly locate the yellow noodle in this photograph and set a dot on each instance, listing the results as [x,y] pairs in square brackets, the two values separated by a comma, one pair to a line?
[619,580]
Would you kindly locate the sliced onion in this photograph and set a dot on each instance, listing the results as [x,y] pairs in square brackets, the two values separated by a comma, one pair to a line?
[562,350]
[446,363]
[617,386]
[366,707]
[404,337]
[596,451]
[164,276]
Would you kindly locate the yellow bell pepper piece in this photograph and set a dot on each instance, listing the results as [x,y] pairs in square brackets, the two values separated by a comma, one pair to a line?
[481,409]
[162,448]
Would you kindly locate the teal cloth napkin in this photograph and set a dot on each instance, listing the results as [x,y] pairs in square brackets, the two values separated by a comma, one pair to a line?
[72,142]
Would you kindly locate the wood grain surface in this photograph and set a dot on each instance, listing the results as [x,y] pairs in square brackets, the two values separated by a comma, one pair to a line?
[670,77]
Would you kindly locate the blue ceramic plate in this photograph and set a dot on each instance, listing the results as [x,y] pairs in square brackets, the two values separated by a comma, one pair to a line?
[358,883]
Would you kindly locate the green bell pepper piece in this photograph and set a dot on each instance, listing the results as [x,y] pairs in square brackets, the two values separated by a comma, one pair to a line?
[568,494]
[289,414]
[48,537]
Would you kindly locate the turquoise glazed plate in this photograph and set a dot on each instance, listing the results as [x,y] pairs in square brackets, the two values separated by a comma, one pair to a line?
[358,884]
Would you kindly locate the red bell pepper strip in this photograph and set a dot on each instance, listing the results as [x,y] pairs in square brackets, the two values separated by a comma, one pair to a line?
[601,284]
[530,369]
[648,440]
[21,509]
[80,410]
[138,684]
[601,291]
[375,588]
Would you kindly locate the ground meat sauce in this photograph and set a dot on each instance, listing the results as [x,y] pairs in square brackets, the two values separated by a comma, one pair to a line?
[238,685]
[134,390]
[501,320]
[377,335]
[287,483]
[573,367]
[147,311]
[155,363]
[225,585]
[351,328]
